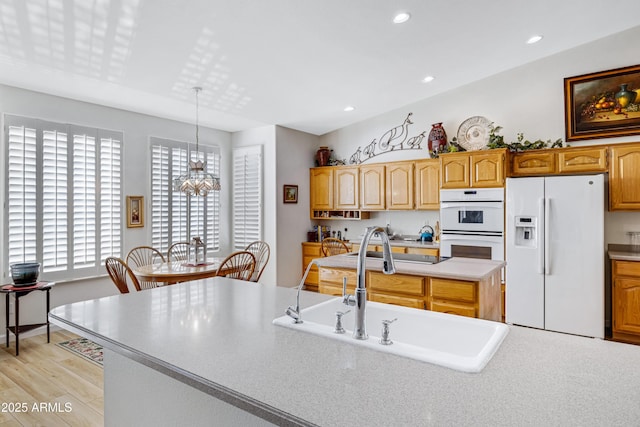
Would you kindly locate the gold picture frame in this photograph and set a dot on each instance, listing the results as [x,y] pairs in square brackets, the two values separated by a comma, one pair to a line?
[290,194]
[135,211]
[605,104]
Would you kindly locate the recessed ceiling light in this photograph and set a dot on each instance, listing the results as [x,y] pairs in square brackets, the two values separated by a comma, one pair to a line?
[401,17]
[349,108]
[534,39]
[428,79]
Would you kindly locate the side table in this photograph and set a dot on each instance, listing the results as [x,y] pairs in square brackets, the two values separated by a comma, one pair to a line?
[19,292]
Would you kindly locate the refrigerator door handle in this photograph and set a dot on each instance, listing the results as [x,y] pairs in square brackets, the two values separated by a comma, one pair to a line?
[541,205]
[547,226]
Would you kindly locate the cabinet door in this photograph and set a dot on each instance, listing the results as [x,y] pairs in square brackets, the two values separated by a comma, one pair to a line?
[454,170]
[624,177]
[488,169]
[311,251]
[533,163]
[626,305]
[452,308]
[346,188]
[372,191]
[321,188]
[427,184]
[582,160]
[399,185]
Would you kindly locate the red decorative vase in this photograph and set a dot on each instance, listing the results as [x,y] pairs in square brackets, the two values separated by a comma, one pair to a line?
[322,156]
[437,138]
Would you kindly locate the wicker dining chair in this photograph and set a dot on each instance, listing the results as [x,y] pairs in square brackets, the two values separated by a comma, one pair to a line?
[261,251]
[178,252]
[121,274]
[145,255]
[331,246]
[239,265]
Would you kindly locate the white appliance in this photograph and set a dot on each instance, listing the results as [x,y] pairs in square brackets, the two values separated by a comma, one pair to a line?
[555,253]
[472,223]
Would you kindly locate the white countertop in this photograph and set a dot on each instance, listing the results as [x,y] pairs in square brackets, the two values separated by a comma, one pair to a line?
[218,333]
[452,268]
[624,256]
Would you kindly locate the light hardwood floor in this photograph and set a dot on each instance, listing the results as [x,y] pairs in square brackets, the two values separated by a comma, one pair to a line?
[53,379]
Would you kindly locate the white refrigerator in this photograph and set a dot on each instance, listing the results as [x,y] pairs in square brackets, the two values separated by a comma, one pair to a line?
[555,253]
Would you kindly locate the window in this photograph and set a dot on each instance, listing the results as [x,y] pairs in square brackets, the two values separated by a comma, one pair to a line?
[174,218]
[63,196]
[247,196]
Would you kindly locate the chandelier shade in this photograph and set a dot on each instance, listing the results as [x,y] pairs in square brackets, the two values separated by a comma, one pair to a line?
[197,181]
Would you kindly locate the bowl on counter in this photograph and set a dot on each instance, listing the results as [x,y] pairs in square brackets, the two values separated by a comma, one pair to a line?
[25,274]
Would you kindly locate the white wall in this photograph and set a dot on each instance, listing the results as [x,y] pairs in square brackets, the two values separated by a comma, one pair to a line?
[295,155]
[136,180]
[528,99]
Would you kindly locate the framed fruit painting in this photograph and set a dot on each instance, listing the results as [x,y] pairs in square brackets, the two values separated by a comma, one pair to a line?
[602,105]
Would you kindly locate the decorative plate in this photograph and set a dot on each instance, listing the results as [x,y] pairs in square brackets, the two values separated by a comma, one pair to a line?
[473,133]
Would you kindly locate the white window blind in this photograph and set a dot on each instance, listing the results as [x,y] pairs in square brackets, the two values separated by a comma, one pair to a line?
[175,218]
[64,196]
[247,196]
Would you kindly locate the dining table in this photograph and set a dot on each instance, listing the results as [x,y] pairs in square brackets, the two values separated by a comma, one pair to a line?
[178,271]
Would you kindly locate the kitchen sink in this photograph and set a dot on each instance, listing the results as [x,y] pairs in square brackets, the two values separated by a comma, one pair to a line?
[424,259]
[461,343]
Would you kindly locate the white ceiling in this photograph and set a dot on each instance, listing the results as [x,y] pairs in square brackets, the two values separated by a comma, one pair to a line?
[295,63]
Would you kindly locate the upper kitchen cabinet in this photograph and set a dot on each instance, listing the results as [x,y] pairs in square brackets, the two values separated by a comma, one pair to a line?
[399,185]
[372,187]
[554,161]
[477,169]
[427,184]
[346,188]
[321,185]
[624,177]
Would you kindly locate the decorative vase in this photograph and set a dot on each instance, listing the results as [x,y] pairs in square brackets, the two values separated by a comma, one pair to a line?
[322,156]
[437,138]
[625,96]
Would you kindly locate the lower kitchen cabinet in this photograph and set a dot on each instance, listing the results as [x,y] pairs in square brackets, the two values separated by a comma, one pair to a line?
[465,298]
[626,301]
[311,251]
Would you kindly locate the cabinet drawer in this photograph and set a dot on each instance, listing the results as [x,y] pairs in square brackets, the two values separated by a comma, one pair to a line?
[314,251]
[397,300]
[453,290]
[324,288]
[626,268]
[450,308]
[424,251]
[331,276]
[395,283]
[583,160]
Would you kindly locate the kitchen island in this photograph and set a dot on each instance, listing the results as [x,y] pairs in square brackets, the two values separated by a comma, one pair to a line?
[185,354]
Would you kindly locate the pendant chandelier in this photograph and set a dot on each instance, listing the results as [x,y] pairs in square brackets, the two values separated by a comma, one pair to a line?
[197,181]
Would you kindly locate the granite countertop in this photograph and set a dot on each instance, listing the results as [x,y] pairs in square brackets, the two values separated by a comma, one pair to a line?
[624,255]
[535,378]
[453,268]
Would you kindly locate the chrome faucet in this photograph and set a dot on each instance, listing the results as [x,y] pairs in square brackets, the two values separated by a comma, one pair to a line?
[294,312]
[359,300]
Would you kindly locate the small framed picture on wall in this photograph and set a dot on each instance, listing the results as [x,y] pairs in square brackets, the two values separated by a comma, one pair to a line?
[135,211]
[290,194]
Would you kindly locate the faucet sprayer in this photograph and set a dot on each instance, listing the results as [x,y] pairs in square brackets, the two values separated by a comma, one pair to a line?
[294,312]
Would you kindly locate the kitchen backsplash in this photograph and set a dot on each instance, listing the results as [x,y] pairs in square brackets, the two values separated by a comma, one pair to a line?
[400,222]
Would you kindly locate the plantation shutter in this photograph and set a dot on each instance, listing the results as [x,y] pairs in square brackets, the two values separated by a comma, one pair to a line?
[64,191]
[175,218]
[247,196]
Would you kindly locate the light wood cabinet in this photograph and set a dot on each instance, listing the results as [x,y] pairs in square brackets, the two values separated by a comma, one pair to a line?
[626,301]
[378,248]
[346,188]
[554,161]
[311,251]
[330,280]
[398,289]
[475,169]
[427,184]
[624,177]
[321,186]
[582,160]
[372,187]
[538,162]
[399,185]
